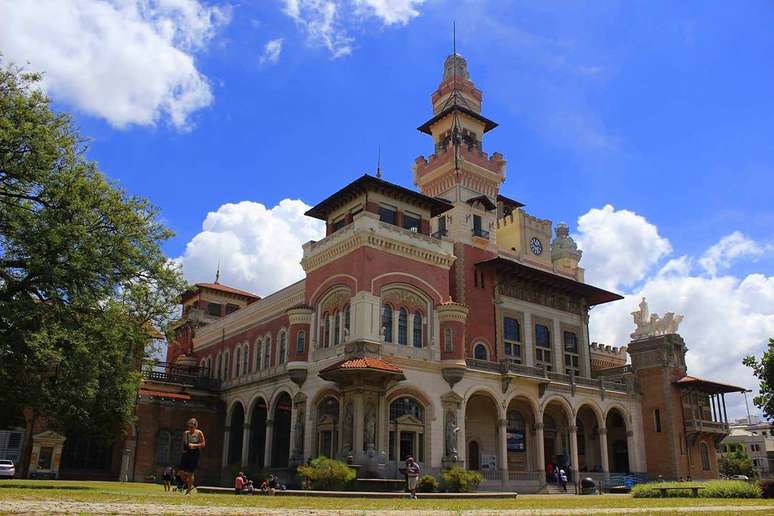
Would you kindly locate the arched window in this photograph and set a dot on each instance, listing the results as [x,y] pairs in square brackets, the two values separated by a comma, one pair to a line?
[336,328]
[705,461]
[480,352]
[217,372]
[246,358]
[257,354]
[347,316]
[403,327]
[267,353]
[282,348]
[163,448]
[300,341]
[327,332]
[407,429]
[227,365]
[238,368]
[512,339]
[387,322]
[448,340]
[417,330]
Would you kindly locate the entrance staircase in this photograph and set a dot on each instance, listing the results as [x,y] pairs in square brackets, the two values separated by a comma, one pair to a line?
[556,489]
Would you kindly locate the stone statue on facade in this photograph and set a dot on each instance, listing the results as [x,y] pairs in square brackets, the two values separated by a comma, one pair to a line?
[299,432]
[370,427]
[348,426]
[651,325]
[451,436]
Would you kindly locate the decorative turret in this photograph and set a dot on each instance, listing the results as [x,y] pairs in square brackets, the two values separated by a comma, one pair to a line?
[459,169]
[564,251]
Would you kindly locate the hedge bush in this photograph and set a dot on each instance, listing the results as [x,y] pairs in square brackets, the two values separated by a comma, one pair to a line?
[712,489]
[326,474]
[458,480]
[427,484]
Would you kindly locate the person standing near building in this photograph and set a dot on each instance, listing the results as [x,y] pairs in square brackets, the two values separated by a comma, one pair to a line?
[239,483]
[193,441]
[563,479]
[412,476]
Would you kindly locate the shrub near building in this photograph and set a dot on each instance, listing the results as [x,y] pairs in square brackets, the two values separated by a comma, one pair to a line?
[326,474]
[713,489]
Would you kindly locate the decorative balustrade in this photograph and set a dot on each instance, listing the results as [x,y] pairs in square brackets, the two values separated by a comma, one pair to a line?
[192,376]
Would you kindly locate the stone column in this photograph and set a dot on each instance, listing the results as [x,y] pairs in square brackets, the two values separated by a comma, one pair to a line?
[603,450]
[631,450]
[585,355]
[574,453]
[528,341]
[246,432]
[558,347]
[502,426]
[269,443]
[226,442]
[540,450]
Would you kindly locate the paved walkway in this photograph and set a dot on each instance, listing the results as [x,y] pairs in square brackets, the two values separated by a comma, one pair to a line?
[53,507]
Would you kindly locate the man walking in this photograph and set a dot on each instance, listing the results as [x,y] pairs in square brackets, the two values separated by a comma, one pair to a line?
[412,476]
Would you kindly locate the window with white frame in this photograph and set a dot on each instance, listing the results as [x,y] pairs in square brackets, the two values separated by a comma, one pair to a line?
[267,353]
[282,347]
[387,322]
[571,353]
[336,328]
[417,330]
[300,341]
[543,346]
[512,339]
[403,327]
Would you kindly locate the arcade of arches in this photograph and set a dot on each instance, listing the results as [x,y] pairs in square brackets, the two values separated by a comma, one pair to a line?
[261,441]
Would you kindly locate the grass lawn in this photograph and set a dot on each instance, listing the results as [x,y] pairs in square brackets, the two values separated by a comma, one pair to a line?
[114,492]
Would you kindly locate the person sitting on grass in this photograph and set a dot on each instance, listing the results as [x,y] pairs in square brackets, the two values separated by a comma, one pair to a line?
[239,483]
[169,474]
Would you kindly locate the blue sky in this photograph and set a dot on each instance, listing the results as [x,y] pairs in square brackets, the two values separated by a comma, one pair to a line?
[662,110]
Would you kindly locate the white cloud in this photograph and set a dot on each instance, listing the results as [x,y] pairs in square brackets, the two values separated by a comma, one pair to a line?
[271,52]
[259,249]
[731,247]
[328,23]
[127,61]
[619,246]
[726,317]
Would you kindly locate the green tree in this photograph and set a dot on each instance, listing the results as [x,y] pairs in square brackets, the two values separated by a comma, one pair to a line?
[736,462]
[763,370]
[83,280]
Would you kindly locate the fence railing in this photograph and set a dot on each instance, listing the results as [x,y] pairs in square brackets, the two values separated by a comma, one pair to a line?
[193,376]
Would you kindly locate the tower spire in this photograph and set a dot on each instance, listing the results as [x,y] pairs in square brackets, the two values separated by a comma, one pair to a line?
[379,163]
[217,273]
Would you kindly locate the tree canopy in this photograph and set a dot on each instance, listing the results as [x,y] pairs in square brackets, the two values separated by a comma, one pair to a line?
[84,283]
[763,370]
[736,462]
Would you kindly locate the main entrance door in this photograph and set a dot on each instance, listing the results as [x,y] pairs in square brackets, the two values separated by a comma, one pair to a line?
[407,445]
[473,456]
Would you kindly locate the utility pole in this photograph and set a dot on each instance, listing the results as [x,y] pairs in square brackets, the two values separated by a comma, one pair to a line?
[749,419]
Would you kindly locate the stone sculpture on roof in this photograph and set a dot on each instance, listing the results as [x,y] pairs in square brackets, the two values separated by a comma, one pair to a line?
[651,325]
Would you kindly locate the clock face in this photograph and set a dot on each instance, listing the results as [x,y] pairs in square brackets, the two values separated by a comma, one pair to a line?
[535,246]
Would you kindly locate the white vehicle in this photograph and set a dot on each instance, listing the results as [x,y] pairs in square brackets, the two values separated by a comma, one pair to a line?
[739,477]
[7,469]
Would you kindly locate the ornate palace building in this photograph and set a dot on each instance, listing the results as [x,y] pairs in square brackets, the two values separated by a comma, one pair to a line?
[446,323]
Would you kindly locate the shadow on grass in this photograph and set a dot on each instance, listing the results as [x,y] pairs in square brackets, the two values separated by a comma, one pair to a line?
[47,486]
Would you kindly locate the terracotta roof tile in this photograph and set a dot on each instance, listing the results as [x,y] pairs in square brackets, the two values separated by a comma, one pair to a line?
[364,363]
[707,385]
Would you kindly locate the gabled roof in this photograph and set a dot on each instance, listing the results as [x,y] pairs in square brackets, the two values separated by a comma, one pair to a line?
[483,199]
[366,183]
[707,385]
[488,124]
[594,295]
[223,288]
[513,203]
